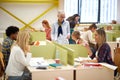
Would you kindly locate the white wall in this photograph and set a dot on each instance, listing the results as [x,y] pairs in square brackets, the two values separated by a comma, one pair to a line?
[26,12]
[118,11]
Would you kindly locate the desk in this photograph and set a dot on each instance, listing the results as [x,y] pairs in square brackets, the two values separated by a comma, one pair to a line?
[65,72]
[101,73]
[70,73]
[51,74]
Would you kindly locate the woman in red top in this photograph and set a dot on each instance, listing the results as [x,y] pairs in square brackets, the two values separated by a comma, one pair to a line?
[78,40]
[47,29]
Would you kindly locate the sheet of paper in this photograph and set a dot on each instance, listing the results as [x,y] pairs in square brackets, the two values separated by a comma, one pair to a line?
[35,62]
[81,59]
[38,43]
[109,66]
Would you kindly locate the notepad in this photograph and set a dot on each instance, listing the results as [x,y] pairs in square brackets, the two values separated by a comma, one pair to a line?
[55,65]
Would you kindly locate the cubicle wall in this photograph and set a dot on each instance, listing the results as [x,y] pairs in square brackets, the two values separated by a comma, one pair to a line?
[79,50]
[37,36]
[70,54]
[67,53]
[48,51]
[74,51]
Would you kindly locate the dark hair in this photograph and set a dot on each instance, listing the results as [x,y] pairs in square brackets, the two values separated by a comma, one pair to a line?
[93,25]
[72,18]
[75,15]
[11,30]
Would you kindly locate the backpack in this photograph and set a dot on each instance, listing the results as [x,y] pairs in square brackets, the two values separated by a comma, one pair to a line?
[117,58]
[1,65]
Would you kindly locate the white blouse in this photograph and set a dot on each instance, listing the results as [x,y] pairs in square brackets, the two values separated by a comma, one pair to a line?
[17,61]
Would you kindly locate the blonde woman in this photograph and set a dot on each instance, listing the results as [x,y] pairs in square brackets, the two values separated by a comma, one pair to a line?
[19,57]
[103,50]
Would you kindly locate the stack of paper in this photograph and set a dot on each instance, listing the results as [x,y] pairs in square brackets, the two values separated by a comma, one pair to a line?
[35,62]
[81,59]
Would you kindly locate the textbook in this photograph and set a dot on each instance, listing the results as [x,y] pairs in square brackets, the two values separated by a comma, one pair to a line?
[55,65]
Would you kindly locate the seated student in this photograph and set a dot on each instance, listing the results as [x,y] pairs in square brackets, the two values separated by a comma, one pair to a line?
[114,22]
[78,40]
[47,29]
[19,57]
[11,35]
[88,36]
[103,51]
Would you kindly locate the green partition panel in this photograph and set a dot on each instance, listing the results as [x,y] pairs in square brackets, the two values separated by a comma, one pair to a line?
[109,35]
[70,53]
[37,36]
[62,55]
[79,50]
[116,34]
[116,26]
[46,51]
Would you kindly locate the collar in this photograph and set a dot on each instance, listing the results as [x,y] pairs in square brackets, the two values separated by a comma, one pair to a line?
[78,41]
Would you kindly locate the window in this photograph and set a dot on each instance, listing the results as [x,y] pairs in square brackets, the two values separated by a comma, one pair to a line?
[88,10]
[108,11]
[103,11]
[71,7]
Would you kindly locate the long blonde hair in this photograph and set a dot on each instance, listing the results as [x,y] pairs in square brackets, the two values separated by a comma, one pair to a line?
[23,40]
[102,36]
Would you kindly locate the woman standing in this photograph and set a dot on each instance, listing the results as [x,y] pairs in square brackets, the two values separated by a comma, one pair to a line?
[19,57]
[73,21]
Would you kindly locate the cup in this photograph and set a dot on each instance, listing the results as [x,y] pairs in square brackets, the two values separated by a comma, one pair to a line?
[57,61]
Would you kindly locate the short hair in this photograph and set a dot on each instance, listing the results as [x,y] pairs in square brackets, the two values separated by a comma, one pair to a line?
[11,30]
[76,34]
[60,12]
[114,22]
[93,25]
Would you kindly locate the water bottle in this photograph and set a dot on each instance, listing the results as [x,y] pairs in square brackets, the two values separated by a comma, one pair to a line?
[57,60]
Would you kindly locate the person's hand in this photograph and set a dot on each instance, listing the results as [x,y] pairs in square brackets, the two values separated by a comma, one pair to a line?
[28,48]
[68,37]
[84,61]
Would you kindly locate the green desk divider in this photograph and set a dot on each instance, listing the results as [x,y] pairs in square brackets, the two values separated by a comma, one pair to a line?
[116,26]
[109,35]
[62,55]
[79,50]
[116,34]
[70,53]
[46,51]
[37,36]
